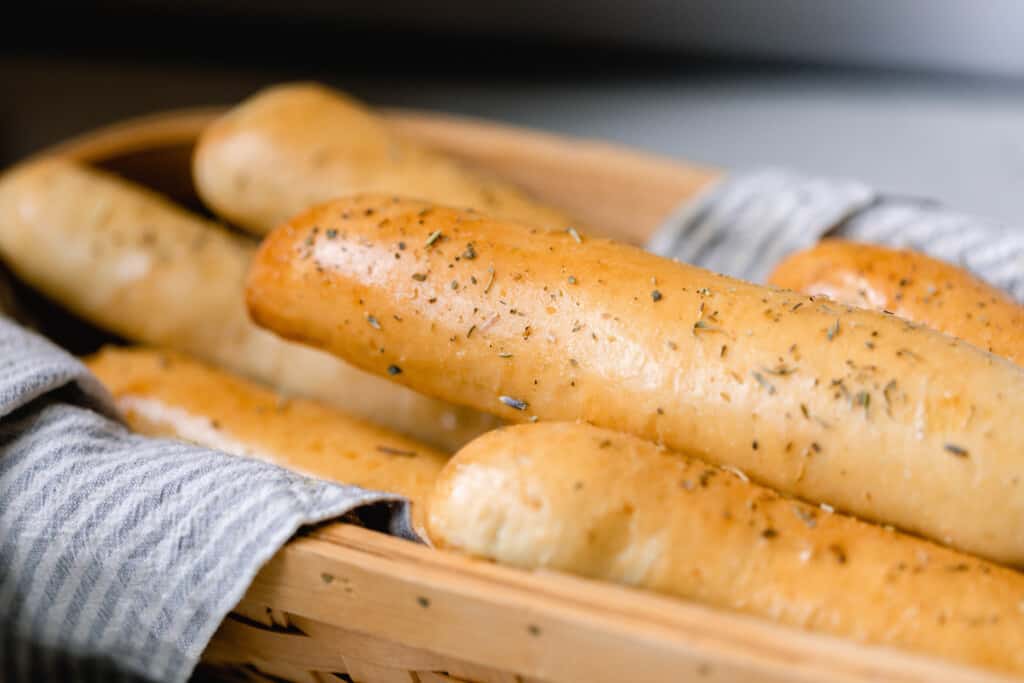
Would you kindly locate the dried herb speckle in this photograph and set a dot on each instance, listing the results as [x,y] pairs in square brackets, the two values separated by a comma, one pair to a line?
[702,325]
[390,450]
[958,451]
[514,402]
[863,398]
[490,280]
[765,384]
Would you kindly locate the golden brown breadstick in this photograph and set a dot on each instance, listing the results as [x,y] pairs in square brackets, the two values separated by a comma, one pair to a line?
[292,146]
[162,393]
[911,285]
[865,411]
[589,501]
[137,265]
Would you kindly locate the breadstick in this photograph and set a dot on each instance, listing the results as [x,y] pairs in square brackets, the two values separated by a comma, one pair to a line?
[911,285]
[139,266]
[865,411]
[600,504]
[162,393]
[292,146]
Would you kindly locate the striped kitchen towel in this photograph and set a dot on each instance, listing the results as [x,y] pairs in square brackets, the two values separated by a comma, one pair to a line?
[120,555]
[746,224]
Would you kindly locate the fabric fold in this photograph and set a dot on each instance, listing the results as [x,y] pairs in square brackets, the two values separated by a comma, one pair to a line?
[120,554]
[744,225]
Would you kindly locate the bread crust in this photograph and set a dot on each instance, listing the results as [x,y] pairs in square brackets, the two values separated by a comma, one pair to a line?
[579,499]
[292,146]
[911,285]
[823,401]
[163,393]
[137,265]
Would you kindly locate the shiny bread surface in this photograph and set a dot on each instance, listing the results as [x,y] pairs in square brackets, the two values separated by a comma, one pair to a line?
[861,410]
[163,393]
[912,285]
[134,263]
[589,501]
[292,146]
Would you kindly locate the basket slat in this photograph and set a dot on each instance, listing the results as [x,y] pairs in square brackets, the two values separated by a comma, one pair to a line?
[616,192]
[237,642]
[370,649]
[553,627]
[315,649]
[365,672]
[435,677]
[480,674]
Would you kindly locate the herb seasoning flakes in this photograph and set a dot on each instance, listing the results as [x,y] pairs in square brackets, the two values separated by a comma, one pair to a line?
[958,451]
[514,402]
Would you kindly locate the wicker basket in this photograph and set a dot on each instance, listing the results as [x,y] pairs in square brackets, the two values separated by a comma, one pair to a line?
[340,602]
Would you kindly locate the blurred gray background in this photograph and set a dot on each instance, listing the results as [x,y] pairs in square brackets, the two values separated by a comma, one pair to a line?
[923,98]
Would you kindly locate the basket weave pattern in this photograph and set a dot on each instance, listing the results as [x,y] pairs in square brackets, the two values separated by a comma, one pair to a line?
[261,643]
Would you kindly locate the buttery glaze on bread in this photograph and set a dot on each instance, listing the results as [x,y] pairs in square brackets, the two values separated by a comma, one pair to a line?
[292,146]
[137,265]
[911,285]
[162,393]
[589,501]
[865,411]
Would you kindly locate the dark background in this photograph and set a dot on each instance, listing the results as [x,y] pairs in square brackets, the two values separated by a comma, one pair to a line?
[918,97]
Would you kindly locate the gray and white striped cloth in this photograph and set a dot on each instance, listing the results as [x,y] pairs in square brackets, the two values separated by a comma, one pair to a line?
[744,225]
[120,555]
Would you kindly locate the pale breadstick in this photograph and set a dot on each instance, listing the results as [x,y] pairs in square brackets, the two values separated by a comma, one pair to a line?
[911,285]
[292,146]
[135,264]
[589,501]
[162,393]
[865,411]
